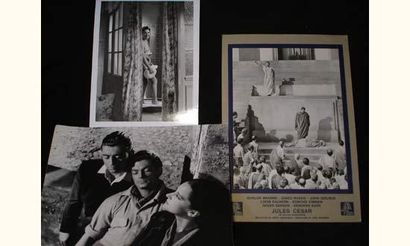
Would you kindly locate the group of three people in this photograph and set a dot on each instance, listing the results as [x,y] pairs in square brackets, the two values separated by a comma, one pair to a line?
[124,202]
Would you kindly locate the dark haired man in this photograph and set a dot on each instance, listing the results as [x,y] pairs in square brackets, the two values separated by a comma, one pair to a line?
[121,217]
[306,168]
[302,123]
[150,70]
[94,181]
[327,161]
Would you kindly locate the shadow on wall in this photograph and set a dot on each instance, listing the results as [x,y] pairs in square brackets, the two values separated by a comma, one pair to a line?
[258,131]
[324,130]
[263,136]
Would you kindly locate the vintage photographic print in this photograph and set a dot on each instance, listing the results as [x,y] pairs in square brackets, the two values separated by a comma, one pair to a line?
[129,186]
[290,123]
[145,63]
[288,117]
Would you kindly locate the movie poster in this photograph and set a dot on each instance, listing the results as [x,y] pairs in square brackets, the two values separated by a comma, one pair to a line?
[289,104]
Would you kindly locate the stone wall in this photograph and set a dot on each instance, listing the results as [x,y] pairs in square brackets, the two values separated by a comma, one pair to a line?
[214,157]
[310,72]
[277,116]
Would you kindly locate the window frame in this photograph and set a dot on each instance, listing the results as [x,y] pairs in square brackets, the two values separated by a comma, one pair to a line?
[115,41]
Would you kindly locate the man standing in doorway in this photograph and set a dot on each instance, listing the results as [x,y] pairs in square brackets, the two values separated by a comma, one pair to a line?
[302,123]
[150,70]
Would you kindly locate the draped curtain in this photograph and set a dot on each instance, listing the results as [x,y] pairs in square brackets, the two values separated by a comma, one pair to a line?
[132,94]
[169,61]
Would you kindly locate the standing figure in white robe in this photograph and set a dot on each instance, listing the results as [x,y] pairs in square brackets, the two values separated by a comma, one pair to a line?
[268,81]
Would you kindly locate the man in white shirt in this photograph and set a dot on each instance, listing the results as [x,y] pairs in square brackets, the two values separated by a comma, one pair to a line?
[121,217]
[238,153]
[254,144]
[327,161]
[280,151]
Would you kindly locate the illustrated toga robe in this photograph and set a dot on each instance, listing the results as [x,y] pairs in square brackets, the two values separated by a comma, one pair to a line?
[302,124]
[268,86]
[268,82]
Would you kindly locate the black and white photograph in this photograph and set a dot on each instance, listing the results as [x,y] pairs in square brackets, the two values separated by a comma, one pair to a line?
[289,118]
[137,186]
[145,63]
[132,92]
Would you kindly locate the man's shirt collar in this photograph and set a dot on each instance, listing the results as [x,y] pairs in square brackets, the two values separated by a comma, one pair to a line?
[111,178]
[159,197]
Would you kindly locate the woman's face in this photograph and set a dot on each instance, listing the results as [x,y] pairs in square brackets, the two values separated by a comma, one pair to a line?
[178,202]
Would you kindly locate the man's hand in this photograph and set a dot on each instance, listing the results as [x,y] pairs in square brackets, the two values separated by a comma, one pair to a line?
[63,237]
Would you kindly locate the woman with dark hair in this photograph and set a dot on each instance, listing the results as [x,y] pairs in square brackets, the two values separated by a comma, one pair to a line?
[197,213]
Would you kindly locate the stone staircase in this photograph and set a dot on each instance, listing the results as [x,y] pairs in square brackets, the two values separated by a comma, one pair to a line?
[305,72]
[312,153]
[312,78]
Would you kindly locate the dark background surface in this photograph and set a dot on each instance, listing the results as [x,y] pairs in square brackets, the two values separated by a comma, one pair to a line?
[67,38]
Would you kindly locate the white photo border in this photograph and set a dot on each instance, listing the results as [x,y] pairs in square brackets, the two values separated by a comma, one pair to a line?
[190,117]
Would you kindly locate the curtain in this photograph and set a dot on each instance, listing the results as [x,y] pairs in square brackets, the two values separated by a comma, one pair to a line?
[169,61]
[132,93]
